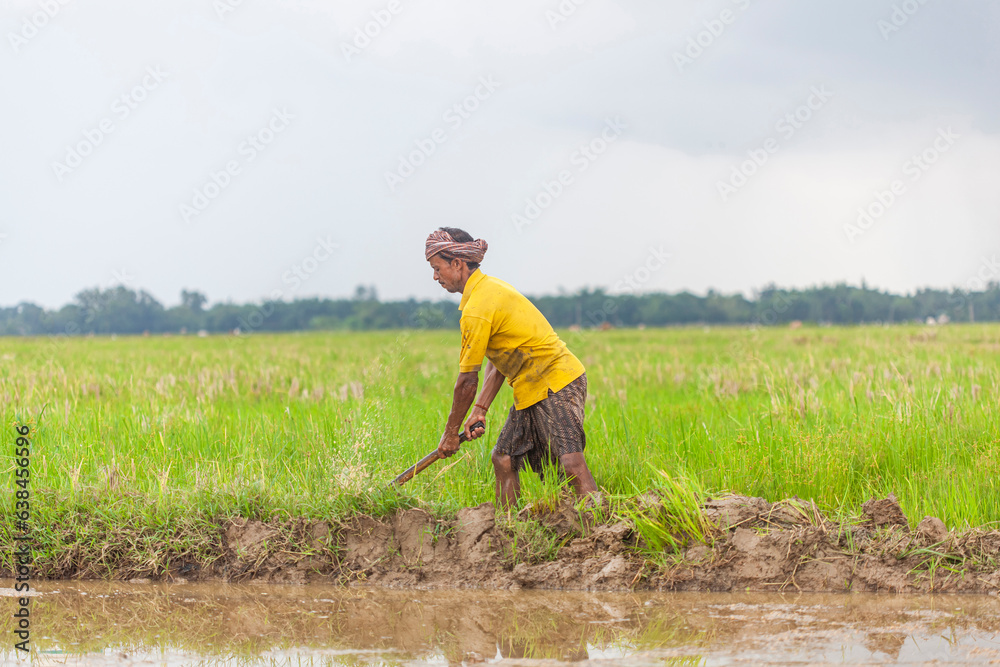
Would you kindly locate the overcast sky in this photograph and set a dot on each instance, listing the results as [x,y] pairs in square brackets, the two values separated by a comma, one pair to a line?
[279,149]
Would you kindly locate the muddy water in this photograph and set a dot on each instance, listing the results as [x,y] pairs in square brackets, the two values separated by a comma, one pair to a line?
[115,623]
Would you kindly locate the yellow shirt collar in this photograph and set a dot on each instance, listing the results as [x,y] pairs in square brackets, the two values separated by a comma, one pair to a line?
[470,285]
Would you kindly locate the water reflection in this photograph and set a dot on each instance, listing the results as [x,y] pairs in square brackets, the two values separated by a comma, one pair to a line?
[112,623]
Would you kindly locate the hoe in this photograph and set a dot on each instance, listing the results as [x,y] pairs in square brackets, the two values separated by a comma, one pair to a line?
[425,462]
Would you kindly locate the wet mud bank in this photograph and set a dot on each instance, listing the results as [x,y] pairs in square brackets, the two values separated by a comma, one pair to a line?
[750,545]
[754,545]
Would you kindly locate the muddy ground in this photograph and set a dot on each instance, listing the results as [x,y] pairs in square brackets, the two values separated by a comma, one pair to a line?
[752,545]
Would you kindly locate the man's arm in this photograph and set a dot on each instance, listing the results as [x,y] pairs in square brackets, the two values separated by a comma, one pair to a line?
[465,393]
[491,386]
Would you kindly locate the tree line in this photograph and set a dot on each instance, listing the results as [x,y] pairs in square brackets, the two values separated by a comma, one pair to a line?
[121,310]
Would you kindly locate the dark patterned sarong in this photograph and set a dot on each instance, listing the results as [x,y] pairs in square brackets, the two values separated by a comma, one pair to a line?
[543,432]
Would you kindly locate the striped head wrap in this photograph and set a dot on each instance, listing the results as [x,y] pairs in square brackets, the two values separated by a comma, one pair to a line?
[442,241]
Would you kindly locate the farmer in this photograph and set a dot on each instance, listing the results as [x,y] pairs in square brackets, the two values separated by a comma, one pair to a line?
[549,382]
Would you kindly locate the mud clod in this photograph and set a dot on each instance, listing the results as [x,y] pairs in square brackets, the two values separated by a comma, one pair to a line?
[478,540]
[414,536]
[760,557]
[319,534]
[473,523]
[248,538]
[562,520]
[745,540]
[824,575]
[366,543]
[885,512]
[731,511]
[697,553]
[932,530]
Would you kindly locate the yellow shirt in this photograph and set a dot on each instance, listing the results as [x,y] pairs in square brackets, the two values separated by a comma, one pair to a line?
[502,325]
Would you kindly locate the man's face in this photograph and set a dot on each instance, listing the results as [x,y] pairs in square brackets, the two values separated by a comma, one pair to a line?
[448,274]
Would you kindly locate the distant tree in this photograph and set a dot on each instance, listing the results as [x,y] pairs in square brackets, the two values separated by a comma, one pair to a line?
[30,319]
[193,301]
[365,293]
[122,310]
[118,310]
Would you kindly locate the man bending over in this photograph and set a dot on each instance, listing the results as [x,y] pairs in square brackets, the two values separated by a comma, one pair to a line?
[545,424]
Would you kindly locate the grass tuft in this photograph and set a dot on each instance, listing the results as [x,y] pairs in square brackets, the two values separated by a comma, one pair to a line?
[669,517]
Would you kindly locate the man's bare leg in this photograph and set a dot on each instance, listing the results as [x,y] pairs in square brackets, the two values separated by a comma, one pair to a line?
[508,483]
[579,475]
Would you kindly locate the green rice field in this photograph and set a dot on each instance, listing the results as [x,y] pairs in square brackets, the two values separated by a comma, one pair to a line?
[149,431]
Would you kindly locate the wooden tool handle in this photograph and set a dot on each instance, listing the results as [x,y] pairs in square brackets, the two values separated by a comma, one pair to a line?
[425,462]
